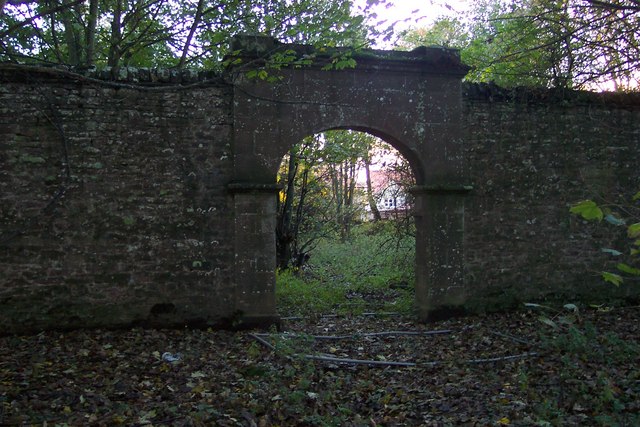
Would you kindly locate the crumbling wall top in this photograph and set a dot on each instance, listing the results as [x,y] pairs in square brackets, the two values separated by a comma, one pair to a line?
[432,59]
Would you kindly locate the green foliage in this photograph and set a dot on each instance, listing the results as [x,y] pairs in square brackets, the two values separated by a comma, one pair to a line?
[194,33]
[557,318]
[592,211]
[374,256]
[446,32]
[634,230]
[296,295]
[588,209]
[371,271]
[340,62]
[613,278]
[320,197]
[567,44]
[570,335]
[129,220]
[503,47]
[582,347]
[25,158]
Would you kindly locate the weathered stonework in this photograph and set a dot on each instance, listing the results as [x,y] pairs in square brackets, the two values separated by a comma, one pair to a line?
[532,154]
[113,203]
[409,99]
[148,197]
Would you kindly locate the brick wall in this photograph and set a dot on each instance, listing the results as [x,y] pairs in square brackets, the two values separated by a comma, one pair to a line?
[113,209]
[531,155]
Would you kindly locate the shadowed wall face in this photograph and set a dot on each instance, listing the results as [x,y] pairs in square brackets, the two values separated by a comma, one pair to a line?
[532,154]
[124,205]
[412,100]
[113,207]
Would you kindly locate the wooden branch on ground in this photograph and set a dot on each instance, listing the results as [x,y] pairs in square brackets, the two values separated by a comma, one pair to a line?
[346,361]
[370,334]
[388,363]
[503,358]
[512,338]
[331,316]
[262,341]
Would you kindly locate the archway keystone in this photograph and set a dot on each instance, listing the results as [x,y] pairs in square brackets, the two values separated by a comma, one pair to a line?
[412,100]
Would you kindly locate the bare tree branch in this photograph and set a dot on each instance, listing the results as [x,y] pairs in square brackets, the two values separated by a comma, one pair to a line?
[614,6]
[40,15]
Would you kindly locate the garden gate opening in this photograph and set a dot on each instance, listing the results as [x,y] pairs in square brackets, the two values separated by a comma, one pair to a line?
[148,196]
[411,100]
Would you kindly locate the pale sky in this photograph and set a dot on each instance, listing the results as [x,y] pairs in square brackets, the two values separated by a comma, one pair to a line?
[413,13]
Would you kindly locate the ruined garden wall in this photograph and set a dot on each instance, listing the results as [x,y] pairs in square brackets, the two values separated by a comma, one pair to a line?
[116,209]
[531,155]
[113,207]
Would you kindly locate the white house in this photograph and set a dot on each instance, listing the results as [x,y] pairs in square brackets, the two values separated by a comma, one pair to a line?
[389,194]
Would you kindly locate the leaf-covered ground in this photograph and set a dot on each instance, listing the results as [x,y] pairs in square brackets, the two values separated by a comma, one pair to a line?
[585,374]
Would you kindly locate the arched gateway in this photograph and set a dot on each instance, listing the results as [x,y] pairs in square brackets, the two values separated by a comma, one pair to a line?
[148,196]
[412,100]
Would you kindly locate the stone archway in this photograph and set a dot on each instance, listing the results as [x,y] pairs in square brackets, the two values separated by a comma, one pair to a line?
[412,100]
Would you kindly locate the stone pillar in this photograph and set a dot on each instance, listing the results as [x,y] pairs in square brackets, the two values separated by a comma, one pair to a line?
[255,253]
[439,216]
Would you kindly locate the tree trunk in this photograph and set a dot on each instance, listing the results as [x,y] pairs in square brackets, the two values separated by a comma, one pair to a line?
[194,26]
[116,35]
[54,37]
[343,183]
[372,201]
[90,41]
[72,37]
[349,191]
[299,253]
[335,173]
[284,235]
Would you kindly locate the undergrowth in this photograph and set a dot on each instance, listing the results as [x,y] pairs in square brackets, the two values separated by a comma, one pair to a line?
[371,271]
[589,380]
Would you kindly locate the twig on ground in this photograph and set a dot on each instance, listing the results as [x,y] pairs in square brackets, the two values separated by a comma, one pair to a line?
[386,363]
[503,358]
[343,360]
[512,338]
[381,313]
[359,335]
[331,316]
[262,341]
[384,333]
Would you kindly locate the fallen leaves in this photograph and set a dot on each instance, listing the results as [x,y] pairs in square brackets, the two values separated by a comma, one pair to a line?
[221,378]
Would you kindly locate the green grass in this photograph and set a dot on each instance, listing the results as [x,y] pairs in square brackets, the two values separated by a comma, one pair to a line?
[372,271]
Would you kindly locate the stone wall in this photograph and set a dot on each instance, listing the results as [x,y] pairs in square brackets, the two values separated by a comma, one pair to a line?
[118,206]
[113,207]
[532,155]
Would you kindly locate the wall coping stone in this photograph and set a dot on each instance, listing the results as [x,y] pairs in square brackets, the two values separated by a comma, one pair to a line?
[491,92]
[165,78]
[115,76]
[252,51]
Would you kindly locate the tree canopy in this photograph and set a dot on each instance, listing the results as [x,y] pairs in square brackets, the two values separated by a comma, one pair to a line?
[568,44]
[193,33]
[576,44]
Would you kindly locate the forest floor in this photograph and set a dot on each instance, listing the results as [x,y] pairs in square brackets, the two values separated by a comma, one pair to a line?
[498,369]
